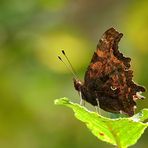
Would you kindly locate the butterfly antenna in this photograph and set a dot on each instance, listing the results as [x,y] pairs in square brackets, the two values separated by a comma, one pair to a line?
[70,69]
[63,52]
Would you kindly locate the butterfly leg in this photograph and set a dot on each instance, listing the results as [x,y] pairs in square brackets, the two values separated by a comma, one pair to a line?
[98,107]
[82,102]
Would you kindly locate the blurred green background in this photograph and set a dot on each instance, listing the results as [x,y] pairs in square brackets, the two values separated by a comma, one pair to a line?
[32,34]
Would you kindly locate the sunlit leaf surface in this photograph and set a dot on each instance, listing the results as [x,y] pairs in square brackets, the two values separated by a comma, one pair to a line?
[122,132]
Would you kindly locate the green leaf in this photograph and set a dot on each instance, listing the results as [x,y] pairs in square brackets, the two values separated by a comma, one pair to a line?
[122,132]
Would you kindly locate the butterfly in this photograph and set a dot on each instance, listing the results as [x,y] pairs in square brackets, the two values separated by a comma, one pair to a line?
[108,79]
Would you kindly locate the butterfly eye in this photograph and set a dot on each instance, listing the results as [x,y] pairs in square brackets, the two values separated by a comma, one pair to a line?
[113,88]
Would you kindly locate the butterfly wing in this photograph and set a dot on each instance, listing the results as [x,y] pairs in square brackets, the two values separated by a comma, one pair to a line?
[109,76]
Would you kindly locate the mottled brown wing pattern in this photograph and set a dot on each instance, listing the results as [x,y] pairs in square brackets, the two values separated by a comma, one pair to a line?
[109,77]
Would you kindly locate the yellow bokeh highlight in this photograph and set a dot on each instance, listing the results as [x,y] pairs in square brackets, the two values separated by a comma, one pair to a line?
[49,48]
[136,25]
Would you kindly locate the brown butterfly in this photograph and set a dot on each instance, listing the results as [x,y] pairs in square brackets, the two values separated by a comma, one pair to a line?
[108,79]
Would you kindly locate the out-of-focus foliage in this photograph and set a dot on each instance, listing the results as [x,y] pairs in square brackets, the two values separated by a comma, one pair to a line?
[32,33]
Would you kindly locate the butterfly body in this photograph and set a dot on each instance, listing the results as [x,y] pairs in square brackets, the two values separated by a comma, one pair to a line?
[108,79]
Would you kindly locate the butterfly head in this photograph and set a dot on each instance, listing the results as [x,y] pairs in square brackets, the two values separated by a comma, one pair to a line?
[78,84]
